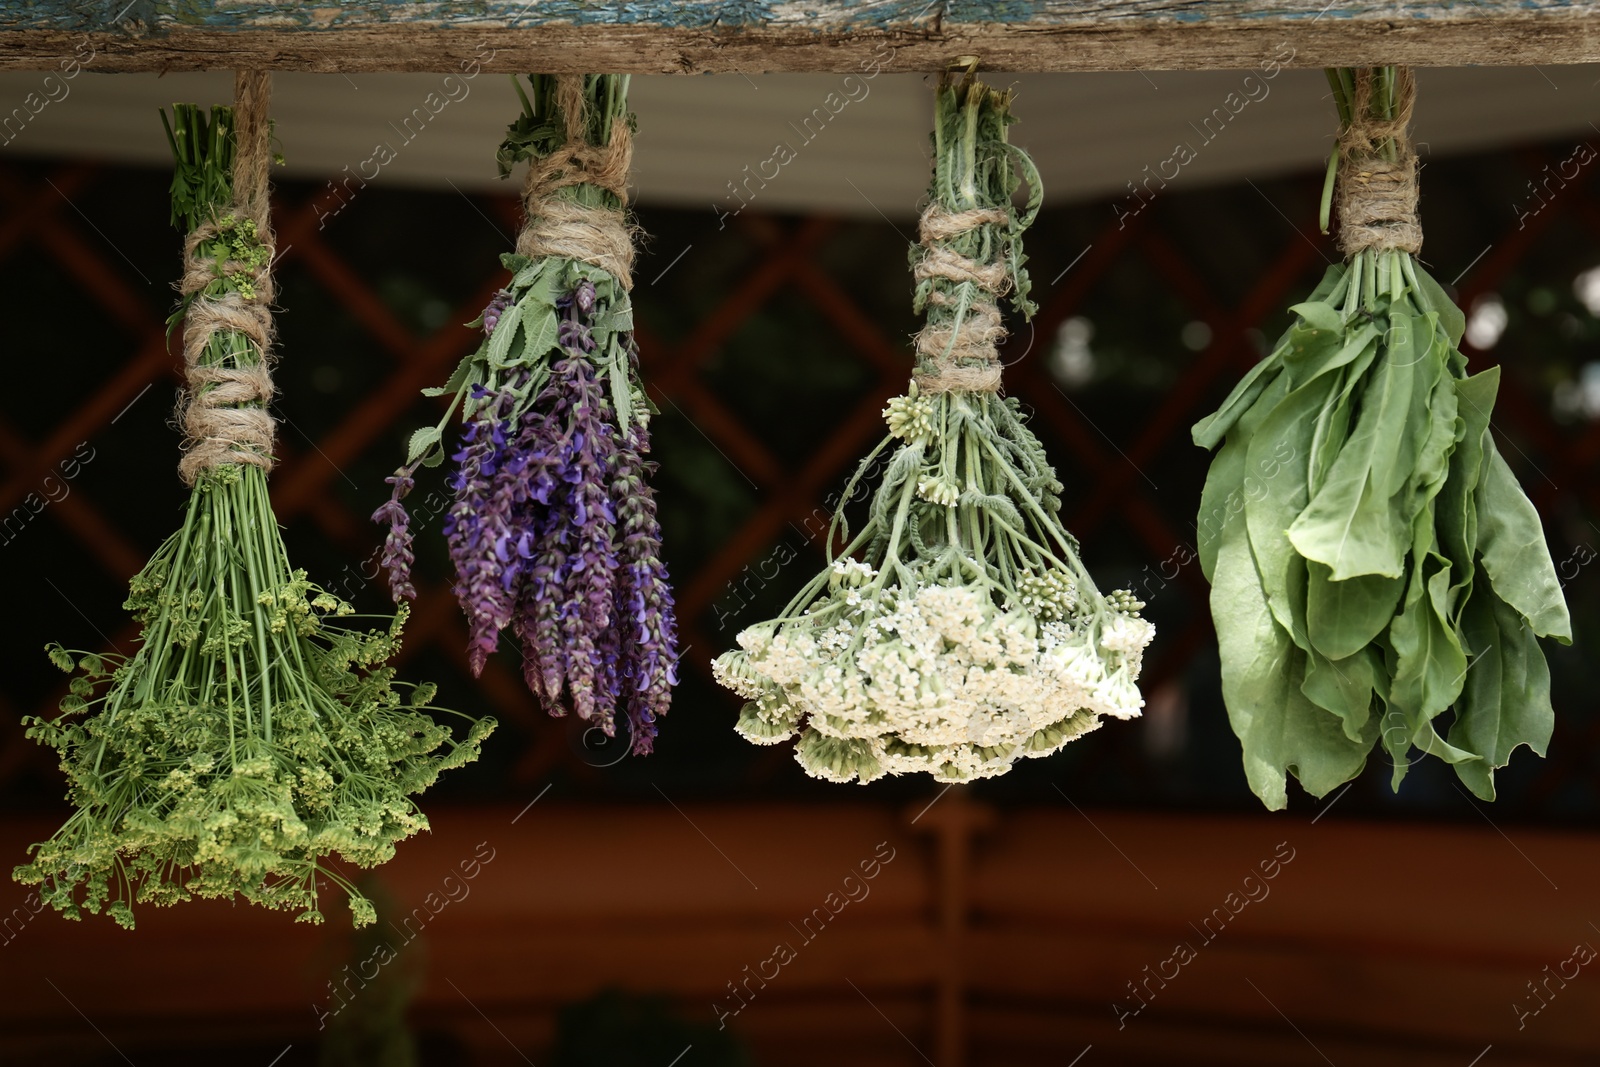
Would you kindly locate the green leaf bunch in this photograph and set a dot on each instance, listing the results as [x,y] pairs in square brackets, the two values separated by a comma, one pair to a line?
[255,733]
[1374,563]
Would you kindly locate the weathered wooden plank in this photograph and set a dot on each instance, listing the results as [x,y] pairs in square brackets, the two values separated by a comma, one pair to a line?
[652,36]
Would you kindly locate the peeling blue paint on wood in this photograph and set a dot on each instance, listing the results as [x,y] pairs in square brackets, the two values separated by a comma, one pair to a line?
[827,16]
[657,36]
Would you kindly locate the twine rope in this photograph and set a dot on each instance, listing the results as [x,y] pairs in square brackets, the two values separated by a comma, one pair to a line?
[557,226]
[223,409]
[1377,196]
[960,356]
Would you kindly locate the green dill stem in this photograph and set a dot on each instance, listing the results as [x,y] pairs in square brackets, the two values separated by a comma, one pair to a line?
[1339,98]
[1347,83]
[527,106]
[250,539]
[252,686]
[157,640]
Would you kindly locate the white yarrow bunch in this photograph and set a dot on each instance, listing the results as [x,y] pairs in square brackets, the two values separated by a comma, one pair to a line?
[934,678]
[936,660]
[958,631]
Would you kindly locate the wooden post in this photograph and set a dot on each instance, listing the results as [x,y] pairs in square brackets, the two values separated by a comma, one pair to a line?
[557,36]
[954,820]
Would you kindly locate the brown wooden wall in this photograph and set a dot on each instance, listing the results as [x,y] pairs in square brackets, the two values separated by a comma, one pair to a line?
[982,941]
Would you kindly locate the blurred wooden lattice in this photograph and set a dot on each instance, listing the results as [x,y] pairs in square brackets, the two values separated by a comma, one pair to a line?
[1112,502]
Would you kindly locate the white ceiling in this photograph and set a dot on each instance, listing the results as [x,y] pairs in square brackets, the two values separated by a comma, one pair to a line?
[1090,134]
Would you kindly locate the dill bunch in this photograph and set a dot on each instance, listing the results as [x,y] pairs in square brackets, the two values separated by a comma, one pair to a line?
[255,733]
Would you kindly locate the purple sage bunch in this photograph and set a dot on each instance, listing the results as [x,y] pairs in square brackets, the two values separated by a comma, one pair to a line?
[552,530]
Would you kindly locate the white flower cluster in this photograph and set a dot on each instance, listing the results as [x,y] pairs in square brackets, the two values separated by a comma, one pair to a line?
[1050,596]
[932,678]
[910,418]
[938,491]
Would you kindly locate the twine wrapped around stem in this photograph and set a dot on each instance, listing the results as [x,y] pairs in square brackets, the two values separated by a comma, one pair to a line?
[1377,183]
[562,226]
[968,256]
[960,354]
[224,409]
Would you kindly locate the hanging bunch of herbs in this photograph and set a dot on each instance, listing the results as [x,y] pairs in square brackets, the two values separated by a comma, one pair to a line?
[1374,563]
[957,631]
[255,732]
[553,530]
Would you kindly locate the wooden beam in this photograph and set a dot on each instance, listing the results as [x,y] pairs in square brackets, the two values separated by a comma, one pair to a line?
[654,37]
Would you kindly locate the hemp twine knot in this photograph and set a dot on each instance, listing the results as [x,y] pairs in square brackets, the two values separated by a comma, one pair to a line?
[960,356]
[1378,197]
[223,409]
[557,226]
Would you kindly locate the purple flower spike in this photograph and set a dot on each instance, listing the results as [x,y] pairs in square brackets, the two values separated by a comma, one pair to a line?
[574,336]
[553,534]
[644,598]
[583,592]
[480,517]
[397,556]
[497,307]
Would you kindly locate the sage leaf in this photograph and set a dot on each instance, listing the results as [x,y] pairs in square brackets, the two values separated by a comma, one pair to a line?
[621,392]
[421,442]
[498,353]
[542,332]
[527,273]
[458,377]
